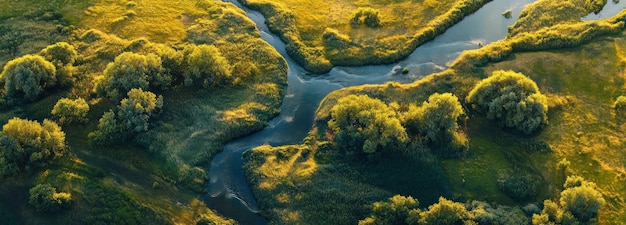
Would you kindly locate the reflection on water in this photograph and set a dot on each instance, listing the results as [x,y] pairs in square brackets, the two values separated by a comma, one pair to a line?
[229,192]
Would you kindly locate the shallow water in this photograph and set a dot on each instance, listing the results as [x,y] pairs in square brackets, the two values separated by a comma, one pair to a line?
[228,190]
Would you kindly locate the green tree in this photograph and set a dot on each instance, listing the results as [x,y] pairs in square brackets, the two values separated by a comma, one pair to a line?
[394,211]
[132,70]
[27,77]
[45,198]
[512,99]
[26,143]
[206,67]
[581,199]
[130,117]
[365,125]
[63,56]
[70,111]
[445,212]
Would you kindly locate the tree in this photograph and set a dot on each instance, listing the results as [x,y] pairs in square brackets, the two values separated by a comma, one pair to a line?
[436,123]
[130,117]
[583,200]
[70,111]
[45,198]
[444,212]
[63,56]
[364,125]
[27,77]
[132,70]
[512,99]
[26,143]
[207,67]
[394,211]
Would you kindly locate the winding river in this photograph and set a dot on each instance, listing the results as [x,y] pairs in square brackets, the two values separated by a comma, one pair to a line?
[228,190]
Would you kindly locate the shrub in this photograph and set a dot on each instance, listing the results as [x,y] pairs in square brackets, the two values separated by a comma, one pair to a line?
[583,201]
[435,122]
[70,111]
[620,106]
[365,15]
[45,198]
[394,211]
[445,212]
[364,125]
[26,144]
[519,185]
[512,99]
[61,53]
[132,70]
[206,66]
[27,77]
[130,117]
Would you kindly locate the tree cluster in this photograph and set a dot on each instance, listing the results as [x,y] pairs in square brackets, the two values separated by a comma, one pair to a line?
[130,117]
[511,99]
[45,198]
[401,210]
[368,126]
[26,144]
[132,70]
[63,56]
[27,77]
[579,202]
[206,67]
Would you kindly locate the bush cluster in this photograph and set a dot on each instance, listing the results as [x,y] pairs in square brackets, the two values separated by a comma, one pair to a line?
[361,124]
[579,203]
[130,117]
[512,99]
[27,77]
[365,15]
[26,144]
[45,198]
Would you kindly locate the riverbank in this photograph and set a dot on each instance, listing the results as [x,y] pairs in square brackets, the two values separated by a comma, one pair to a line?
[577,64]
[319,42]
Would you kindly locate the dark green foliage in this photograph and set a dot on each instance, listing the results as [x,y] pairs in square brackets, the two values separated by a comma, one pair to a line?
[45,198]
[132,70]
[484,213]
[366,15]
[512,99]
[206,67]
[26,144]
[395,211]
[27,77]
[68,111]
[364,125]
[444,212]
[436,123]
[579,202]
[581,199]
[130,117]
[519,184]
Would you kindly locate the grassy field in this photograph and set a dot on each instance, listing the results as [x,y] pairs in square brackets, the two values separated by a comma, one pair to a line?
[578,65]
[319,34]
[159,176]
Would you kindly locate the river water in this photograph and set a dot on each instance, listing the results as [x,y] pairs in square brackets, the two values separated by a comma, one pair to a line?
[228,190]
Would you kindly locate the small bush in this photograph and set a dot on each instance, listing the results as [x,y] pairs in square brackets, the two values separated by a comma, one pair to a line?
[620,106]
[206,67]
[519,185]
[68,111]
[366,15]
[45,198]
